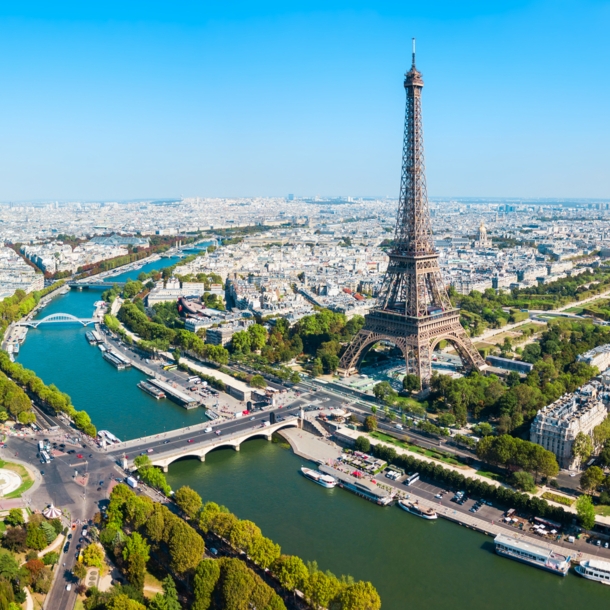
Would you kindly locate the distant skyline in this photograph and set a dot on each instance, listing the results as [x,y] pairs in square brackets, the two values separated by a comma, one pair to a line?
[118,101]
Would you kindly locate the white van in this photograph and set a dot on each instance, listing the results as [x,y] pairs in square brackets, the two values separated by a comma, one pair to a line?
[571,539]
[398,427]
[208,429]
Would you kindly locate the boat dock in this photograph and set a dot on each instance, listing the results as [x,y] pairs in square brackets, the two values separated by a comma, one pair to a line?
[149,388]
[117,360]
[361,487]
[182,398]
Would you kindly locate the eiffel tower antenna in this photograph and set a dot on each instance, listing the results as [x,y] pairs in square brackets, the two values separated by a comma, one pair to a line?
[413,308]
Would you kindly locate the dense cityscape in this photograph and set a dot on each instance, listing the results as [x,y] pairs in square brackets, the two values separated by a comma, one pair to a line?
[220,401]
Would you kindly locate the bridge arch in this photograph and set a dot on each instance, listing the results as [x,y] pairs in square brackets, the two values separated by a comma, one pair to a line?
[235,443]
[56,318]
[460,347]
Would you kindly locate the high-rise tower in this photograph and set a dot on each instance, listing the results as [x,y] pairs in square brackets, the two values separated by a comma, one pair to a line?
[413,308]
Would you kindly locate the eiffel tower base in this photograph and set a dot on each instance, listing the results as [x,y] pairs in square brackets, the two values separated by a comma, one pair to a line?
[415,337]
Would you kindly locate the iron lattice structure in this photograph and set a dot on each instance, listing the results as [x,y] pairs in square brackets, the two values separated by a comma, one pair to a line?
[413,310]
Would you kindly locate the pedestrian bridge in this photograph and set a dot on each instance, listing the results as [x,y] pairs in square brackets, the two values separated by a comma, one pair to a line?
[234,441]
[58,318]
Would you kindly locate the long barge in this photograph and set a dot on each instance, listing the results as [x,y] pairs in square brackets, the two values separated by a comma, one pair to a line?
[361,487]
[532,554]
[149,388]
[119,362]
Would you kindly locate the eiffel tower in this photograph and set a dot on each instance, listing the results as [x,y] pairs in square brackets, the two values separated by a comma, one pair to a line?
[413,308]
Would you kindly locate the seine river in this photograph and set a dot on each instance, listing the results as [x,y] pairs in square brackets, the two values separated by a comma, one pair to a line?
[413,563]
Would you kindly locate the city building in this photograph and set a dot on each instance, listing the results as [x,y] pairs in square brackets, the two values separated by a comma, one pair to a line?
[556,426]
[598,356]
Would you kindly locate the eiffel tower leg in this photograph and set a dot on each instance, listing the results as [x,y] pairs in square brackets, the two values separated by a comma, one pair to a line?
[354,350]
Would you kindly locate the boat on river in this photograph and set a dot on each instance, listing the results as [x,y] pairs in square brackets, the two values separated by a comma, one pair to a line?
[419,510]
[318,477]
[149,388]
[533,554]
[594,569]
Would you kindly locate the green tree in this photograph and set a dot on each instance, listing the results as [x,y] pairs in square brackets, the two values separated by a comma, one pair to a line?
[186,547]
[370,423]
[291,572]
[136,554]
[264,551]
[411,383]
[206,577]
[14,517]
[362,444]
[359,596]
[36,538]
[524,481]
[592,478]
[383,390]
[240,342]
[3,416]
[79,570]
[320,589]
[189,501]
[582,447]
[258,336]
[50,558]
[243,534]
[93,556]
[585,511]
[123,602]
[258,381]
[169,599]
[26,417]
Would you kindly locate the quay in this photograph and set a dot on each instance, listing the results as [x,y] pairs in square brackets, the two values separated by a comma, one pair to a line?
[183,399]
[361,487]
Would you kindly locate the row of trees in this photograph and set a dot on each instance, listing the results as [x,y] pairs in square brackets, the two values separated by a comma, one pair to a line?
[321,589]
[50,395]
[152,476]
[21,303]
[455,480]
[516,454]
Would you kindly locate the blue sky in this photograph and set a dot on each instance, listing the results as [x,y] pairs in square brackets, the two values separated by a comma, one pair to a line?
[120,100]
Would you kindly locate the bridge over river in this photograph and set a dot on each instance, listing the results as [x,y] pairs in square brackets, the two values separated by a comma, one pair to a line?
[57,318]
[194,441]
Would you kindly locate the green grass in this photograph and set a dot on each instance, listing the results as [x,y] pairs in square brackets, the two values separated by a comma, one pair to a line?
[27,481]
[416,449]
[548,495]
[2,527]
[490,475]
[79,604]
[603,510]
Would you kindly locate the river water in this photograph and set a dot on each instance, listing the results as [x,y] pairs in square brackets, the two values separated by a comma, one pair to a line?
[412,562]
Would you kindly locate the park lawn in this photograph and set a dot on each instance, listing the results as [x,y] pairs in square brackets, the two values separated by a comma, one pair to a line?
[26,479]
[2,527]
[79,604]
[152,585]
[417,449]
[548,495]
[490,475]
[576,310]
[603,510]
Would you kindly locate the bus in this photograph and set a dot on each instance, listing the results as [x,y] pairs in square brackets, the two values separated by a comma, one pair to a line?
[45,457]
[412,478]
[40,446]
[170,367]
[194,379]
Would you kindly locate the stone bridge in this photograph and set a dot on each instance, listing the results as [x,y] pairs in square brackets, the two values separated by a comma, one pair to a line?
[234,441]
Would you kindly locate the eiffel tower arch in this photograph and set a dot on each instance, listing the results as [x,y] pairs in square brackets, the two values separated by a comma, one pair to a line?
[413,309]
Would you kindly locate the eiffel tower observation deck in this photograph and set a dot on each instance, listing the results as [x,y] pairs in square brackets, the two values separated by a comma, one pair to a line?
[413,308]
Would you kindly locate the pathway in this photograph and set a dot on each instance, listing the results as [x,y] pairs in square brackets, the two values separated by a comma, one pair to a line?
[311,447]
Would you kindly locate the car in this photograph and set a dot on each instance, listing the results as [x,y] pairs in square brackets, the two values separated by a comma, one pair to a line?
[69,536]
[91,455]
[208,429]
[42,472]
[62,444]
[101,482]
[99,489]
[572,474]
[118,480]
[599,543]
[165,442]
[605,545]
[66,547]
[71,451]
[190,440]
[438,496]
[79,456]
[68,587]
[214,551]
[252,418]
[218,432]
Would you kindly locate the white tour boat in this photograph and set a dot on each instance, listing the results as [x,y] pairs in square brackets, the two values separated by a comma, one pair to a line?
[317,477]
[594,569]
[415,509]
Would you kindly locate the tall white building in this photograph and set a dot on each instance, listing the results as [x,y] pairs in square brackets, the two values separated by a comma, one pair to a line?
[556,426]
